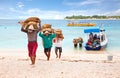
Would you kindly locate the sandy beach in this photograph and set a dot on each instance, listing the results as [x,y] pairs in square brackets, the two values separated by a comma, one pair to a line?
[76,65]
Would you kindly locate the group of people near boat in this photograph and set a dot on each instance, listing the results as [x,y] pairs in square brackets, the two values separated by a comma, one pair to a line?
[32,26]
[93,41]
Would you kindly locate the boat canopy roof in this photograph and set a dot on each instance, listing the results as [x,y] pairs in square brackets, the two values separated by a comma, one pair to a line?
[91,30]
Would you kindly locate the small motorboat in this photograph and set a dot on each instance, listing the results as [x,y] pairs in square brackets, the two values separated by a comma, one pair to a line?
[95,43]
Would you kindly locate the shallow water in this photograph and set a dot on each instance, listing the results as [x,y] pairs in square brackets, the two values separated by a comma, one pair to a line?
[13,38]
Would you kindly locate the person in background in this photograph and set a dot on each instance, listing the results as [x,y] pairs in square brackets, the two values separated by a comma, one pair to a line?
[75,42]
[95,37]
[89,43]
[58,46]
[91,35]
[47,38]
[80,41]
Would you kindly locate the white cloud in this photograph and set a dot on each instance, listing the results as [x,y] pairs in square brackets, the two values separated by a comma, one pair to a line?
[60,15]
[28,0]
[37,12]
[1,8]
[86,2]
[20,4]
[33,11]
[45,14]
[116,12]
[90,2]
[12,9]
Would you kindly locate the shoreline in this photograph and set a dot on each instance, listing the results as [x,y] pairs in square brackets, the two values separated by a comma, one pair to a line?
[65,19]
[91,19]
[65,54]
[10,52]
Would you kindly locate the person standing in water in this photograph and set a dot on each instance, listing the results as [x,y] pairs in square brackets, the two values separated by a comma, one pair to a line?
[80,41]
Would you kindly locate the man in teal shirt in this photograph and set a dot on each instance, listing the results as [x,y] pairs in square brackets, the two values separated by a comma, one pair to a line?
[47,42]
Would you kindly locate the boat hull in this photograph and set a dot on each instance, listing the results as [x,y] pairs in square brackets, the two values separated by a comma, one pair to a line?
[93,48]
[84,24]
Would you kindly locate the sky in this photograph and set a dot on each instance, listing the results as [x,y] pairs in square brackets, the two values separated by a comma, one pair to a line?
[57,9]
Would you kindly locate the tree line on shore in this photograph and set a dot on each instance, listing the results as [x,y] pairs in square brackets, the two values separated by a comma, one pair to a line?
[92,17]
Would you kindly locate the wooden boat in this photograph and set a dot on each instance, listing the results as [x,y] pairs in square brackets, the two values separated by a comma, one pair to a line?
[81,24]
[101,36]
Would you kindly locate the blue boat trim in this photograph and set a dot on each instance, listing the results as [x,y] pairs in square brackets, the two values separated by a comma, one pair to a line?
[92,30]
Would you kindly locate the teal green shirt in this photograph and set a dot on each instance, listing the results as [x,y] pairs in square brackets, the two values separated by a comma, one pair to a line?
[47,40]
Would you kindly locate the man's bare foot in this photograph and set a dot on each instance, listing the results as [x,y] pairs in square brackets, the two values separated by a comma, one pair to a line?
[47,59]
[32,64]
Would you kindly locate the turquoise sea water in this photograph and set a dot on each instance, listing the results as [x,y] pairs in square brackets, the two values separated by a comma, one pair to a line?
[12,38]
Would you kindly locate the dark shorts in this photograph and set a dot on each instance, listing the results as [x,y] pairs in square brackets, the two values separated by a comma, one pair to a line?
[58,48]
[47,49]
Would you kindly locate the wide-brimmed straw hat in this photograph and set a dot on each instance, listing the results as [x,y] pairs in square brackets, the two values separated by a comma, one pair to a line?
[30,19]
[47,29]
[46,26]
[34,19]
[31,25]
[58,30]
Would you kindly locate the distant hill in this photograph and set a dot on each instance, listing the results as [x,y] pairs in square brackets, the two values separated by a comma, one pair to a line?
[92,17]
